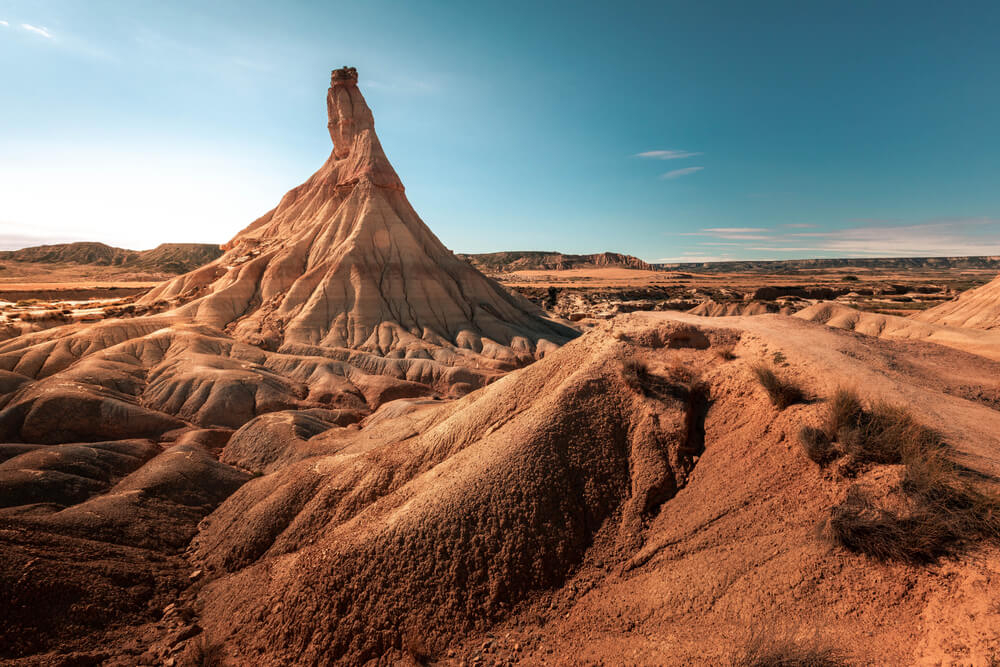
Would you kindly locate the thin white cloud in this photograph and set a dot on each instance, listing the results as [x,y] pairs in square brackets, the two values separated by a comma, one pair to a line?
[938,238]
[693,258]
[735,230]
[38,30]
[677,173]
[941,237]
[4,24]
[667,154]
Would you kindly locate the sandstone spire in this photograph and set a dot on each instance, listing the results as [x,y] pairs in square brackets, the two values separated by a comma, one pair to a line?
[344,261]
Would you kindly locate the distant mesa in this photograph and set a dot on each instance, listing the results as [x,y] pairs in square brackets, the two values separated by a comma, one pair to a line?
[533,260]
[164,258]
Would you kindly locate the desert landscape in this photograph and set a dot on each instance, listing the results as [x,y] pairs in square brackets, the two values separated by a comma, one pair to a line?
[335,441]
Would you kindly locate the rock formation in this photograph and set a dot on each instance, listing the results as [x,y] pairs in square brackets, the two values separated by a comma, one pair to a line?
[113,435]
[344,261]
[339,298]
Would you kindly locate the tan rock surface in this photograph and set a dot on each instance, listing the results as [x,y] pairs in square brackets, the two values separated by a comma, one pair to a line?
[345,261]
[985,343]
[976,309]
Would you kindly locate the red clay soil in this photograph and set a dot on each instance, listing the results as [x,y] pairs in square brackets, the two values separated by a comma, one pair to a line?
[633,498]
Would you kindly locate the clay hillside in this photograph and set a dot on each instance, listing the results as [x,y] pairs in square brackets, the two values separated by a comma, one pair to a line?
[975,309]
[165,258]
[342,444]
[505,262]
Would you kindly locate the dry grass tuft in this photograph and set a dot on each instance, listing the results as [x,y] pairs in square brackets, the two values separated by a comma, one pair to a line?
[726,353]
[946,509]
[764,652]
[817,445]
[782,392]
[680,382]
[636,374]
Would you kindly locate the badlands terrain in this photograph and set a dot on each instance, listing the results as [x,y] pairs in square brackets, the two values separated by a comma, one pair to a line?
[337,442]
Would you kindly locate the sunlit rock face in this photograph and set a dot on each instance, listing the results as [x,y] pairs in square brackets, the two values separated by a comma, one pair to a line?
[344,261]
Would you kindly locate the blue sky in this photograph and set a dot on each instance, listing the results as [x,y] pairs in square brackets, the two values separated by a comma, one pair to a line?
[669,130]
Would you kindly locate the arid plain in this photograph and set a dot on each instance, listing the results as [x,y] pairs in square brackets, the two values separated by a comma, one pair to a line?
[333,441]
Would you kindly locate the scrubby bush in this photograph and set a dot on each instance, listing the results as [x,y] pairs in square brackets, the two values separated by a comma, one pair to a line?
[635,373]
[726,353]
[762,651]
[817,445]
[944,507]
[679,382]
[782,392]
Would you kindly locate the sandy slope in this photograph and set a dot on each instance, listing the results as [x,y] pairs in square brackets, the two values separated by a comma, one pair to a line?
[975,309]
[596,520]
[984,343]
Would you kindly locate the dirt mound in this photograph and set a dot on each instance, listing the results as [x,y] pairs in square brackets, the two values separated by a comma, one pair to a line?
[505,262]
[985,343]
[490,498]
[976,309]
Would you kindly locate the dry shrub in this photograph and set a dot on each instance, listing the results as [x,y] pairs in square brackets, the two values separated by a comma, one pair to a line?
[762,651]
[946,509]
[844,409]
[817,445]
[636,374]
[207,654]
[920,536]
[680,382]
[726,353]
[782,392]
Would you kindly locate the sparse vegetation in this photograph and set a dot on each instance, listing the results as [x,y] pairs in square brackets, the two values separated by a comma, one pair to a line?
[817,445]
[208,654]
[944,507]
[762,651]
[636,373]
[679,382]
[783,393]
[779,357]
[726,353]
[850,279]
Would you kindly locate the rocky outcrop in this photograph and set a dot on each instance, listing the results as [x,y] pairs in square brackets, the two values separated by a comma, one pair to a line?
[344,261]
